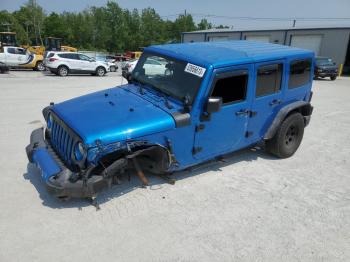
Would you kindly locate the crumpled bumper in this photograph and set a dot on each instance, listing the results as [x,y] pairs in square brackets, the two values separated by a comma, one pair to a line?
[56,175]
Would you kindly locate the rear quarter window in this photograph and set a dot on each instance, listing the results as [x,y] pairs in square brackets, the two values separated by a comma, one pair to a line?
[299,73]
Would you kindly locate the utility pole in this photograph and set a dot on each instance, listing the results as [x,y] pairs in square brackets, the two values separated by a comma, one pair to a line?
[294,22]
[185,20]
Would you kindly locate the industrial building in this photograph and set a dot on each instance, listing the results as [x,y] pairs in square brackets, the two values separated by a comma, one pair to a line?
[333,42]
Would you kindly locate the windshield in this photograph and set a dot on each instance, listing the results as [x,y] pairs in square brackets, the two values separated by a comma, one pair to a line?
[169,76]
[324,61]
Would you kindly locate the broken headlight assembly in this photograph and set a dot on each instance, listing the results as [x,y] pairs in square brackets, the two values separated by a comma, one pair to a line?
[49,122]
[79,152]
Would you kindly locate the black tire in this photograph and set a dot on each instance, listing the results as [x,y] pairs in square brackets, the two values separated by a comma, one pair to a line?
[62,71]
[333,78]
[100,71]
[39,66]
[288,137]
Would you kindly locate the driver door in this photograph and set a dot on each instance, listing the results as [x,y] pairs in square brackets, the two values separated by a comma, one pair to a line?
[224,131]
[86,63]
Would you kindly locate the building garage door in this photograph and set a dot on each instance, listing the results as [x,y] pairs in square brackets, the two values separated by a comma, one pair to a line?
[259,38]
[310,42]
[218,38]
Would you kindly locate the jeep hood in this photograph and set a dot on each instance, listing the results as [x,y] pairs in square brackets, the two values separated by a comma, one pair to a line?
[112,115]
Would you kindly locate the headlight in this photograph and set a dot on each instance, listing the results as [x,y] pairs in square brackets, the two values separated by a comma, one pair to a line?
[79,152]
[49,121]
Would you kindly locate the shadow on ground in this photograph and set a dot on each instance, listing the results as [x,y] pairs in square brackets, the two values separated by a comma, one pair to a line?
[131,182]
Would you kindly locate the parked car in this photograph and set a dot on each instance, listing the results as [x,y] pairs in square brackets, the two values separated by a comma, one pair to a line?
[212,99]
[113,67]
[18,57]
[325,67]
[64,63]
[3,68]
[153,66]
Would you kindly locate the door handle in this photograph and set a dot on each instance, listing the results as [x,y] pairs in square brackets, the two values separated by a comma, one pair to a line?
[242,112]
[275,102]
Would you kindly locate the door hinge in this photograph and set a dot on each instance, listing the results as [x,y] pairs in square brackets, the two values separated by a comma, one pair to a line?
[196,150]
[248,133]
[200,127]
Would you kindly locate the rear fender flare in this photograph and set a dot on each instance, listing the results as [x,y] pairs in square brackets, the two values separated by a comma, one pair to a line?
[302,107]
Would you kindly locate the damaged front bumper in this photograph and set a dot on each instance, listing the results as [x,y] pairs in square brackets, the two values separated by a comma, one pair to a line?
[59,179]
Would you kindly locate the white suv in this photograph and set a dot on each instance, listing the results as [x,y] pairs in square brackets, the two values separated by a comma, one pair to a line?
[64,63]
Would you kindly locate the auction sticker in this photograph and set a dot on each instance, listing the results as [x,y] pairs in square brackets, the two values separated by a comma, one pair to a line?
[195,70]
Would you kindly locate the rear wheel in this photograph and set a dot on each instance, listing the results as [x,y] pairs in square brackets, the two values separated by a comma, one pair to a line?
[40,66]
[100,71]
[62,71]
[288,137]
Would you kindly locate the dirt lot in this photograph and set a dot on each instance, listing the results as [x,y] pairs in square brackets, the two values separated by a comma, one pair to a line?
[251,208]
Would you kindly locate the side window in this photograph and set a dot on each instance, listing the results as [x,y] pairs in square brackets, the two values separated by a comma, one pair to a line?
[299,73]
[84,57]
[21,51]
[72,56]
[232,89]
[11,50]
[268,80]
[62,55]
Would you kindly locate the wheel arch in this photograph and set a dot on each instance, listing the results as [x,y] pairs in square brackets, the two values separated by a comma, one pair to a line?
[154,158]
[302,107]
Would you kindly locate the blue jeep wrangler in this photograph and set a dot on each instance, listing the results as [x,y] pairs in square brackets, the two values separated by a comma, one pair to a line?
[184,104]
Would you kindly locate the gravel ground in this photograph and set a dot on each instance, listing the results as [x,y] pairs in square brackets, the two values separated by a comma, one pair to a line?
[252,207]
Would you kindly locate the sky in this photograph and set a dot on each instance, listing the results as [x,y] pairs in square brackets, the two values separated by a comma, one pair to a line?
[226,11]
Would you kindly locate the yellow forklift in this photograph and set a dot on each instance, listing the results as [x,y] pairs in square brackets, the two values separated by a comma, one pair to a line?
[8,39]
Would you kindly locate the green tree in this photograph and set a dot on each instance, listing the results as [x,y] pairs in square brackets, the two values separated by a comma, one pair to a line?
[204,25]
[184,23]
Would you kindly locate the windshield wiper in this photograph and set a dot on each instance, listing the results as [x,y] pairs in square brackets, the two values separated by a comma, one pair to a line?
[140,83]
[164,94]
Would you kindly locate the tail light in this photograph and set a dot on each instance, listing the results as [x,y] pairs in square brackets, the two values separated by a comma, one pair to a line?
[53,59]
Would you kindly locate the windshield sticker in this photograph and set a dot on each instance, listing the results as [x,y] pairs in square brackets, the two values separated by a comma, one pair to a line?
[195,70]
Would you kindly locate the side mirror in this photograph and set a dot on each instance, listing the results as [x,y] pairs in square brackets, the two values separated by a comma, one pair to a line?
[213,104]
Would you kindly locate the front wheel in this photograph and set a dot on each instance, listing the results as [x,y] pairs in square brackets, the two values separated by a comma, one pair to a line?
[288,137]
[100,71]
[40,66]
[333,78]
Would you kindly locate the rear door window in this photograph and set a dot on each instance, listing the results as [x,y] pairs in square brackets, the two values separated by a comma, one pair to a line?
[11,50]
[269,78]
[299,73]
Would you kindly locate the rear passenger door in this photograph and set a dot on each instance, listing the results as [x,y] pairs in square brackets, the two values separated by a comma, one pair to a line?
[72,61]
[267,97]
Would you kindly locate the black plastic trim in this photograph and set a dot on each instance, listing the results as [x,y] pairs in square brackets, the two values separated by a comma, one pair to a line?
[181,119]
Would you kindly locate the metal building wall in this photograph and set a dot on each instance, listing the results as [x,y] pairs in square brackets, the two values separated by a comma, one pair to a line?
[334,41]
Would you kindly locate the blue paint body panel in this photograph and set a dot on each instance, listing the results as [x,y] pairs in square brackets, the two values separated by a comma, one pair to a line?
[44,161]
[113,115]
[121,114]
